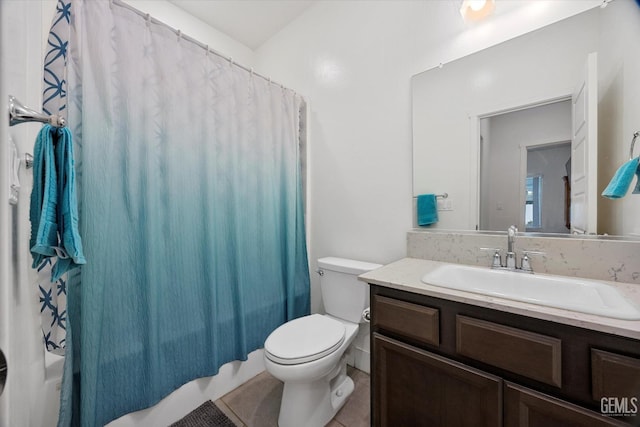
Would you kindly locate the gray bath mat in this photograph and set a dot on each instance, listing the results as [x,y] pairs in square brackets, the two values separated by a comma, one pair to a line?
[205,415]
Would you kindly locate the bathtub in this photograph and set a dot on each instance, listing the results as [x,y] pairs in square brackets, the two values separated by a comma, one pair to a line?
[194,393]
[47,396]
[168,410]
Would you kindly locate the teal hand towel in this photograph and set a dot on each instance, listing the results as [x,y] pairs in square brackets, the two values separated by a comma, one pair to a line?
[54,211]
[637,189]
[427,208]
[43,208]
[621,181]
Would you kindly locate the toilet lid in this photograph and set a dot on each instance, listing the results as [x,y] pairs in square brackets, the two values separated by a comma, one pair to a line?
[304,339]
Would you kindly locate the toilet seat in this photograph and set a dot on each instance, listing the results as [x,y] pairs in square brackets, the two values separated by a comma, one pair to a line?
[304,340]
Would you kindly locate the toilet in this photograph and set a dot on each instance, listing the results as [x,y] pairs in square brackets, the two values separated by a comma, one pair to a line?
[308,353]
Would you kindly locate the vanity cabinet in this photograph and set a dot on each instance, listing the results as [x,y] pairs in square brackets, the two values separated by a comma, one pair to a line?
[437,362]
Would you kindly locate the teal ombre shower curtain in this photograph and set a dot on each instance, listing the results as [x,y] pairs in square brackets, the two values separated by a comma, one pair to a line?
[191,213]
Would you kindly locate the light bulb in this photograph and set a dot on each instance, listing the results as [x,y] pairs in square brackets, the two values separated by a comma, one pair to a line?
[477,5]
[474,10]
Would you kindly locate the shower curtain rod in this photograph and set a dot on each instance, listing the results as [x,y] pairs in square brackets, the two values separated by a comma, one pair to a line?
[183,36]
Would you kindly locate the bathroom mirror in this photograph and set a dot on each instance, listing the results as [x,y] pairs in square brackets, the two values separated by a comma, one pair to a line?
[479,124]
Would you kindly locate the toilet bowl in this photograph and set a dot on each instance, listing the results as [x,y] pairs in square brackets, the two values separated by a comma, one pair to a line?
[308,353]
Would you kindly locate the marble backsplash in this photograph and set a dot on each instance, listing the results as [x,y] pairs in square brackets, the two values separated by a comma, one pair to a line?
[593,258]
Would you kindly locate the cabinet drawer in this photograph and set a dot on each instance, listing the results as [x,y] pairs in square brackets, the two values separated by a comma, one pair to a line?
[413,321]
[528,408]
[525,353]
[614,375]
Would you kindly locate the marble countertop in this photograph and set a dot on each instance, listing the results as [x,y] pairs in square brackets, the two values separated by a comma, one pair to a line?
[406,273]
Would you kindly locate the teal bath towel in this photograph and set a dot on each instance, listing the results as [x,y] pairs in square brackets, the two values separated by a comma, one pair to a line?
[54,209]
[427,209]
[621,181]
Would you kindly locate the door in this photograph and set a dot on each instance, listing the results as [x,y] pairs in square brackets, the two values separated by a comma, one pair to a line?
[413,387]
[584,150]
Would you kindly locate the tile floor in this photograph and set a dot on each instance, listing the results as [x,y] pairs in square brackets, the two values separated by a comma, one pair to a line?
[257,403]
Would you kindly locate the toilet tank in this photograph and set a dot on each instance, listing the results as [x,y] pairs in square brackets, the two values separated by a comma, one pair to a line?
[343,295]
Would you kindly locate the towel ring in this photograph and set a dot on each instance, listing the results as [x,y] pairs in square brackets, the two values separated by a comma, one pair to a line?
[633,142]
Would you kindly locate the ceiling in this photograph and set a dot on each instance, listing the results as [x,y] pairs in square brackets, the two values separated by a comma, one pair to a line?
[251,22]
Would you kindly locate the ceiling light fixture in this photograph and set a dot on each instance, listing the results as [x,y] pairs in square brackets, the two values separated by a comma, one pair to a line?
[474,10]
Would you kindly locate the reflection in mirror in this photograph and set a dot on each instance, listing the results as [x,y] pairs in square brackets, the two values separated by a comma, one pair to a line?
[545,188]
[518,152]
[457,110]
[533,203]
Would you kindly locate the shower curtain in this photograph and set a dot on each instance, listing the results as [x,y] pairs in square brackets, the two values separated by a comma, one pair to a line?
[191,213]
[53,295]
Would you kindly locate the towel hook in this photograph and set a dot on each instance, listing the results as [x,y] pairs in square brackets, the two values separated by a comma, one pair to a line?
[633,142]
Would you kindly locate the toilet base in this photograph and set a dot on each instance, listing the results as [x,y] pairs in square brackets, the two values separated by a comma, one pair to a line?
[314,404]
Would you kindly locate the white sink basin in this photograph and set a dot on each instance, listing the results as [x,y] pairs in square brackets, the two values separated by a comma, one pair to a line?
[582,295]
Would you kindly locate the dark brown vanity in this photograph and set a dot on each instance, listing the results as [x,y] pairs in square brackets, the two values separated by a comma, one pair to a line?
[437,362]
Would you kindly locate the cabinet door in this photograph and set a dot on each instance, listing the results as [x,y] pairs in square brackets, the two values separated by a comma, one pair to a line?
[413,387]
[527,408]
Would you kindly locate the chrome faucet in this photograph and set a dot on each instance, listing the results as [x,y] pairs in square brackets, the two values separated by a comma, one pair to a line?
[510,257]
[511,237]
[510,260]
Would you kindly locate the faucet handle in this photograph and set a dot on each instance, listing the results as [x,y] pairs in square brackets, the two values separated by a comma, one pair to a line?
[497,260]
[526,264]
